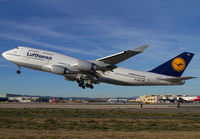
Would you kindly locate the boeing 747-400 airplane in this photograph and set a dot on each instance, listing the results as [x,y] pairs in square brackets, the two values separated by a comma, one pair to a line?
[105,70]
[188,98]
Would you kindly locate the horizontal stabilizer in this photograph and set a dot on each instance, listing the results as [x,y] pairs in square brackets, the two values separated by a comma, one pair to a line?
[176,79]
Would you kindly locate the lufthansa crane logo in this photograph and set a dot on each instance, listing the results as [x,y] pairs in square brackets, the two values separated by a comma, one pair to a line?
[178,64]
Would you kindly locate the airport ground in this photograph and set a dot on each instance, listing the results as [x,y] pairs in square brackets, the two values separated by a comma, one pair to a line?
[47,120]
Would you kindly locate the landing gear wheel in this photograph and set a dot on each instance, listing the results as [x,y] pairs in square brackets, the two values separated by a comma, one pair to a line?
[83,87]
[18,71]
[78,81]
[87,85]
[91,86]
[80,84]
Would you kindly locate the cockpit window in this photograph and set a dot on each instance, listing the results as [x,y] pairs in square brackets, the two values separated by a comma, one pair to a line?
[17,48]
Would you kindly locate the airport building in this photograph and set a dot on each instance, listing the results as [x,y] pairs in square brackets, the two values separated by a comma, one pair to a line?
[148,99]
[19,98]
[24,99]
[3,95]
[158,98]
[117,100]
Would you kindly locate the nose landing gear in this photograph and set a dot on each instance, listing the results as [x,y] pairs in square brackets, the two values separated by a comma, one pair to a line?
[18,72]
[18,69]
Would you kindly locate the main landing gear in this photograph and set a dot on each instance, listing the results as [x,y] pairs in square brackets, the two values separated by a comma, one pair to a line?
[18,69]
[81,83]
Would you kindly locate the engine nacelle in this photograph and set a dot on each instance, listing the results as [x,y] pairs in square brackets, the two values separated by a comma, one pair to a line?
[60,70]
[87,66]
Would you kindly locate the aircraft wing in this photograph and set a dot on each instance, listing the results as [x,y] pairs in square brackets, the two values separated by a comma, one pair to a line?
[177,79]
[119,57]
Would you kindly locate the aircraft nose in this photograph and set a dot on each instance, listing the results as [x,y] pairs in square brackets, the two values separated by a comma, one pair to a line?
[4,54]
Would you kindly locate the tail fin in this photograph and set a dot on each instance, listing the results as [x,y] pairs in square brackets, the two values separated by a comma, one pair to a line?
[176,66]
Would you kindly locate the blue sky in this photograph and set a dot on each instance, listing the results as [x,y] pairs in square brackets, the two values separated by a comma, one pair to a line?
[91,29]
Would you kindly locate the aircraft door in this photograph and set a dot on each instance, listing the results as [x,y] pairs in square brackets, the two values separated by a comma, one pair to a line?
[22,53]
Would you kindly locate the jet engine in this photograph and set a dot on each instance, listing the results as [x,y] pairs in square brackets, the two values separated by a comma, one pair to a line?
[60,70]
[87,66]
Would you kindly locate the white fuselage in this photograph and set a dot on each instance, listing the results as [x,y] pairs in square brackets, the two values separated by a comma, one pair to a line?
[44,60]
[196,98]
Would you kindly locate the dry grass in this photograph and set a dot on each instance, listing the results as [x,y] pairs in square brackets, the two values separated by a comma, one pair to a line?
[57,134]
[70,123]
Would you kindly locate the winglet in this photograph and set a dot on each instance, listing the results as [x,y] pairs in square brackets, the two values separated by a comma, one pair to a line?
[141,48]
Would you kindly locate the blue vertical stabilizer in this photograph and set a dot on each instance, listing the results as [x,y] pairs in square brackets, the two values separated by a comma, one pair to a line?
[176,66]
